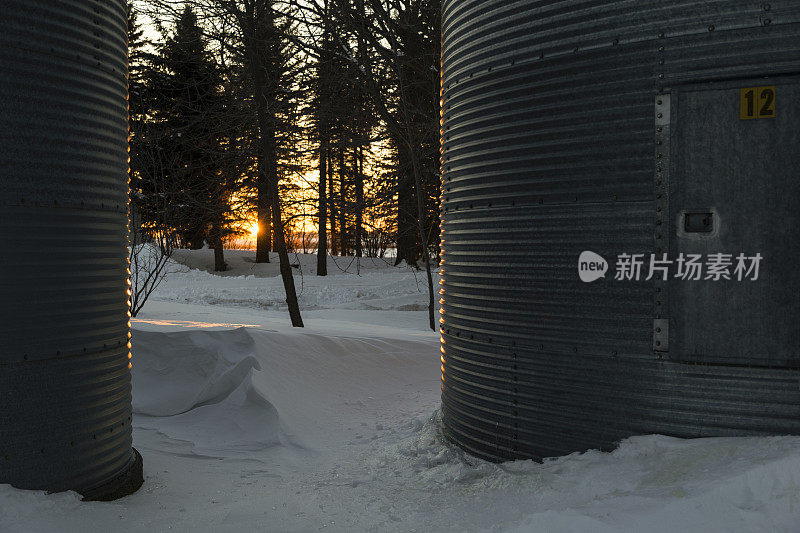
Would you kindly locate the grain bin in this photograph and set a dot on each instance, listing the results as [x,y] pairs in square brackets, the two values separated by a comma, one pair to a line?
[65,414]
[586,147]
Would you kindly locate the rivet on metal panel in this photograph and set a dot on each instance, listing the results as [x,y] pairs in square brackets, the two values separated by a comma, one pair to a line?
[661,335]
[662,111]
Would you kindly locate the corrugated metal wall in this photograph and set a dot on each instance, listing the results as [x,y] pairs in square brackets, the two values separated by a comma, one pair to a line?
[550,146]
[65,394]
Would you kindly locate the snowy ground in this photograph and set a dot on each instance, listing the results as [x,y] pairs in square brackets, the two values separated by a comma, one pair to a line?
[246,424]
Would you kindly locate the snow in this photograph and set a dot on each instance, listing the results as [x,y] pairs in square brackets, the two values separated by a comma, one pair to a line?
[248,424]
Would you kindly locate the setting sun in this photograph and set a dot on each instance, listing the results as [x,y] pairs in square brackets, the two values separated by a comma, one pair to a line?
[254,229]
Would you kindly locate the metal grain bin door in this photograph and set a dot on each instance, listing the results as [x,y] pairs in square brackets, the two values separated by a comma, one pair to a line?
[735,190]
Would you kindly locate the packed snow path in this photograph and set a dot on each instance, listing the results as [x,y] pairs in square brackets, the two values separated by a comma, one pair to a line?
[246,424]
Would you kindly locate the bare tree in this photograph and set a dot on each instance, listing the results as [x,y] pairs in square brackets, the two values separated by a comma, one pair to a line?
[149,254]
[151,240]
[398,42]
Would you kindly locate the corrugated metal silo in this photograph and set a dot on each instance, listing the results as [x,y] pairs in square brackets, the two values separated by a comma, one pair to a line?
[630,129]
[65,394]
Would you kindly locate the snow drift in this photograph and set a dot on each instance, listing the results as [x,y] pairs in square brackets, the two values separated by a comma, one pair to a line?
[176,372]
[203,382]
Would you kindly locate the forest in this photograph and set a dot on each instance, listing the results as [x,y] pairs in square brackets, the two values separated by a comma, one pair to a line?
[313,124]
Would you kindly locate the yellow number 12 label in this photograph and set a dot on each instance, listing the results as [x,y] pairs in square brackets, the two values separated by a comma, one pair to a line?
[757,102]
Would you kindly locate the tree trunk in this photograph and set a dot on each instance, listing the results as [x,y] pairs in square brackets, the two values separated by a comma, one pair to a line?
[267,146]
[412,145]
[343,245]
[264,235]
[216,243]
[195,237]
[286,268]
[359,168]
[219,259]
[407,244]
[275,244]
[322,229]
[331,204]
[424,239]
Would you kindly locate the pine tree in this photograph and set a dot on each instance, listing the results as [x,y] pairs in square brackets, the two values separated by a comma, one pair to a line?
[192,130]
